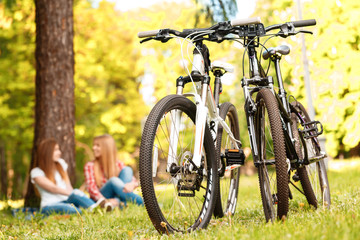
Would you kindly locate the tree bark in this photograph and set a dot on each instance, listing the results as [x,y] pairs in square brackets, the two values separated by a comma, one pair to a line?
[54,107]
[3,172]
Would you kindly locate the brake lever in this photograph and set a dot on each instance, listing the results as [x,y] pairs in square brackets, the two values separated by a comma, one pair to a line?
[162,39]
[304,31]
[286,34]
[287,29]
[147,39]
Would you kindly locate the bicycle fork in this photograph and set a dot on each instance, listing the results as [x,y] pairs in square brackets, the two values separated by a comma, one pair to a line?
[206,105]
[202,84]
[250,111]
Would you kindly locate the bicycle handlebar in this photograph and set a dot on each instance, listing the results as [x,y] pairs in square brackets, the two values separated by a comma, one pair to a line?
[304,23]
[148,33]
[233,23]
[299,23]
[240,27]
[245,21]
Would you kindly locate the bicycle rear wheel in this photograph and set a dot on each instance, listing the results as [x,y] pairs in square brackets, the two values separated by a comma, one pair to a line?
[273,167]
[313,177]
[229,181]
[176,197]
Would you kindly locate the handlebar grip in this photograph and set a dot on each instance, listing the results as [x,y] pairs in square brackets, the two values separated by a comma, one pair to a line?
[245,21]
[151,33]
[304,23]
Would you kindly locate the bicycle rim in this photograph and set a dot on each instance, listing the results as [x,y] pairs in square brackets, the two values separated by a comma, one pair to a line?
[182,200]
[315,172]
[307,188]
[229,180]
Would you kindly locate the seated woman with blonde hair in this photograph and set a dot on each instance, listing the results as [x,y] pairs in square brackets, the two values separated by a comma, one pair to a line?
[50,177]
[108,177]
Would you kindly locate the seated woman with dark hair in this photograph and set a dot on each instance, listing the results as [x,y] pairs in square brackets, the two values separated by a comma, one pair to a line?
[52,182]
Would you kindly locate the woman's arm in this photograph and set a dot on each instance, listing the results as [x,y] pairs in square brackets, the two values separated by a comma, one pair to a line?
[69,187]
[91,186]
[64,166]
[49,186]
[68,183]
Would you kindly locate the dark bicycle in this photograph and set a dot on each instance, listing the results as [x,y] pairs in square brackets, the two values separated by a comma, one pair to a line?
[283,138]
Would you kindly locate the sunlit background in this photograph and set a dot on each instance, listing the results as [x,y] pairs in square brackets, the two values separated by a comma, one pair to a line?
[118,79]
[245,7]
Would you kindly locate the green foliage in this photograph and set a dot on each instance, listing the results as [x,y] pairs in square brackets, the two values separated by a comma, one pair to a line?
[107,96]
[8,3]
[333,53]
[303,222]
[17,45]
[107,86]
[336,53]
[107,71]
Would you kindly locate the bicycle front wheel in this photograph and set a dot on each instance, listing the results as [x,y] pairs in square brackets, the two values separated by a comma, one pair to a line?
[313,177]
[229,181]
[177,196]
[272,167]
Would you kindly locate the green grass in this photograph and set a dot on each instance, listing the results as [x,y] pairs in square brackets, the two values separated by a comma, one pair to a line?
[303,222]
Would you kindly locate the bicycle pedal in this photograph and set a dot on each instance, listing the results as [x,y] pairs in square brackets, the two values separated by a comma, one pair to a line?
[274,199]
[234,156]
[186,194]
[296,177]
[185,190]
[312,129]
[316,158]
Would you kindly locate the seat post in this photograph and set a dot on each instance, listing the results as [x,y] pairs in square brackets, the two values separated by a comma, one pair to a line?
[282,92]
[217,86]
[276,61]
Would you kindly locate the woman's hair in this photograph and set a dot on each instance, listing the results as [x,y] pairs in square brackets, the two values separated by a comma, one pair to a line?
[106,162]
[45,161]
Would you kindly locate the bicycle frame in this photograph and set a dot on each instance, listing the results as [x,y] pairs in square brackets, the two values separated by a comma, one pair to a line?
[207,109]
[260,80]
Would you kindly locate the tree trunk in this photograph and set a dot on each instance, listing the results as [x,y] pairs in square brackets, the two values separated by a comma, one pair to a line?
[3,172]
[54,108]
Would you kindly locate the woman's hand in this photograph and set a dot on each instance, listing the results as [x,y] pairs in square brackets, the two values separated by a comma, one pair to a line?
[49,186]
[129,187]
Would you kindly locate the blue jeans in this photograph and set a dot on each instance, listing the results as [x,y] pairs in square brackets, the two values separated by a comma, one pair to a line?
[77,198]
[113,188]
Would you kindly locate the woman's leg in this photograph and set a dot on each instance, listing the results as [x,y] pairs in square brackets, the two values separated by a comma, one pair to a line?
[115,185]
[131,197]
[126,174]
[112,188]
[60,208]
[79,199]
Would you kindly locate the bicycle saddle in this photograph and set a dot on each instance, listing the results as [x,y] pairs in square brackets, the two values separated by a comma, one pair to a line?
[282,50]
[219,65]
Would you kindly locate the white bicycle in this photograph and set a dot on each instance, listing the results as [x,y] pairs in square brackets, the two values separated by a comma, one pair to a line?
[190,151]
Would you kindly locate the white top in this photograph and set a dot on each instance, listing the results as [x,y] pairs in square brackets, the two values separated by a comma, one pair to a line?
[48,198]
